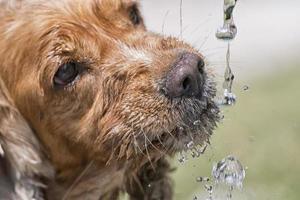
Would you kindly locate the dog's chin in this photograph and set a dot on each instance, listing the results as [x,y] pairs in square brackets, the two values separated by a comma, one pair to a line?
[192,128]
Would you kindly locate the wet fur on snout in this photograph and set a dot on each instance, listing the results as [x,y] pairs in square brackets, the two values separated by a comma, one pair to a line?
[111,130]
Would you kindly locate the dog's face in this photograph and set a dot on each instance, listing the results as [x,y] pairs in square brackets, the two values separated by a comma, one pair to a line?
[88,75]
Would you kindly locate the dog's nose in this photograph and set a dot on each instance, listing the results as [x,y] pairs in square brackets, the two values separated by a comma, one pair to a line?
[185,78]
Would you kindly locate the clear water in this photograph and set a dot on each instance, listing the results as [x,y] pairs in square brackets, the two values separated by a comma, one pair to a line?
[228,30]
[201,179]
[227,33]
[183,158]
[229,171]
[246,88]
[227,175]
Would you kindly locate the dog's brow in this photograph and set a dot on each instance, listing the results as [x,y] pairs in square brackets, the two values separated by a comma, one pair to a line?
[135,54]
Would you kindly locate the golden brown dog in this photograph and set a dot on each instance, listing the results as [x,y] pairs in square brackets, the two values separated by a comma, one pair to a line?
[89,94]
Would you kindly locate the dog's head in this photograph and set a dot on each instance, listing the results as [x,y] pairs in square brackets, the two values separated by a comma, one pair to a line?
[91,80]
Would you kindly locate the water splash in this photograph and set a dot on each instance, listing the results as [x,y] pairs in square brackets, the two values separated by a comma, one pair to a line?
[229,171]
[227,175]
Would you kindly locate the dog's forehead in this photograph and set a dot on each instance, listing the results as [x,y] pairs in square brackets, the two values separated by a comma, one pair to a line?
[110,4]
[102,17]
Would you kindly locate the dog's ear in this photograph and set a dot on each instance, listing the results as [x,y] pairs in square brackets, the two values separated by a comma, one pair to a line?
[21,155]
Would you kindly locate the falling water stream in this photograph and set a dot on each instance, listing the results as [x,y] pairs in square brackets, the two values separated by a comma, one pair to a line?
[227,33]
[229,172]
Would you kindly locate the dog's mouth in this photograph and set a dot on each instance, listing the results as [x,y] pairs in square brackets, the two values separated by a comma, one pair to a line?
[192,120]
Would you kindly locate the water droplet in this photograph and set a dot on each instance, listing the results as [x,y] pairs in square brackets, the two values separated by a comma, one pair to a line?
[182,158]
[197,123]
[229,171]
[246,88]
[195,154]
[228,30]
[208,188]
[149,185]
[190,145]
[200,179]
[205,179]
[229,98]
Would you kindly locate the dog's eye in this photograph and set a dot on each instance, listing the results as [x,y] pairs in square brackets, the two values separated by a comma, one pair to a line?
[66,74]
[134,15]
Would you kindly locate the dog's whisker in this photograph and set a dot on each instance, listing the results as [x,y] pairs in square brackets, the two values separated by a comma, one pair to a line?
[204,41]
[77,180]
[181,20]
[152,143]
[164,21]
[159,140]
[148,155]
[136,143]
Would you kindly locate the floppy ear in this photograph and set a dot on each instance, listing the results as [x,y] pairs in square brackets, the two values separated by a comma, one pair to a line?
[21,157]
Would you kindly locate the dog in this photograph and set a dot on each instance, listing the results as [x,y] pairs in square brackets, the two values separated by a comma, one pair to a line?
[92,104]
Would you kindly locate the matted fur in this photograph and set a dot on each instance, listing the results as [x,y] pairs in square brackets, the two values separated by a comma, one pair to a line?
[112,129]
[22,155]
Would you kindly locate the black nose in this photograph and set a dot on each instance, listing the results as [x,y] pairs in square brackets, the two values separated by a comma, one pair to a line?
[185,77]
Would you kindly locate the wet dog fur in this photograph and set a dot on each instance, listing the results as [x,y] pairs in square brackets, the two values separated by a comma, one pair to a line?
[111,130]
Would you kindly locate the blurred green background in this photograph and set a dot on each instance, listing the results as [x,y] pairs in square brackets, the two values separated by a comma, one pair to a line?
[263,131]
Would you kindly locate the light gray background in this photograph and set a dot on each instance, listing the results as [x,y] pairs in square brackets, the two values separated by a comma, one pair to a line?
[268,37]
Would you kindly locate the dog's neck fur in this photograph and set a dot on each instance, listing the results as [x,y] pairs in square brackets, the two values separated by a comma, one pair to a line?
[99,182]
